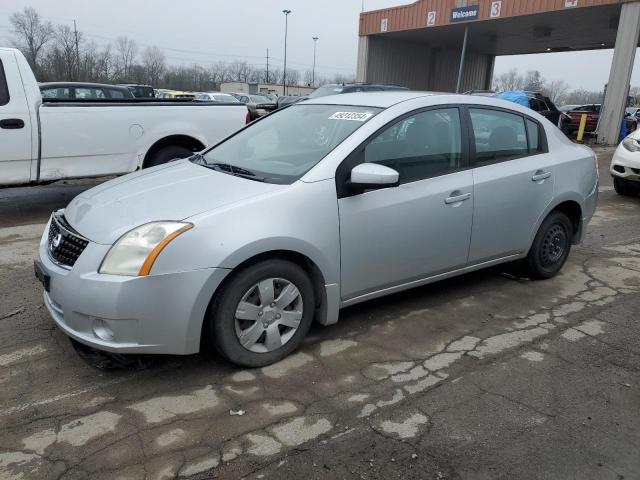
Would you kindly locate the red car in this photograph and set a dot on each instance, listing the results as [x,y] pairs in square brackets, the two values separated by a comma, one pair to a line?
[593,115]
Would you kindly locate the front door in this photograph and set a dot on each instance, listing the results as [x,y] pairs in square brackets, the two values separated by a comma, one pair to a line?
[513,182]
[394,236]
[15,124]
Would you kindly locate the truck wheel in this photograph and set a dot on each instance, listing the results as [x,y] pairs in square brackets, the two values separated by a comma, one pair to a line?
[263,313]
[551,247]
[622,187]
[166,154]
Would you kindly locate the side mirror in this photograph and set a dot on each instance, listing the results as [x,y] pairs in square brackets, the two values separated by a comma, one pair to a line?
[370,176]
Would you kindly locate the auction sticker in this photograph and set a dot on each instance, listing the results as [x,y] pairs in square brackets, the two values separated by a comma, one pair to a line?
[355,116]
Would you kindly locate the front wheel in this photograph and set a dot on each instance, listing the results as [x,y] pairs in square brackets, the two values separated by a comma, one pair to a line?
[551,247]
[263,313]
[622,187]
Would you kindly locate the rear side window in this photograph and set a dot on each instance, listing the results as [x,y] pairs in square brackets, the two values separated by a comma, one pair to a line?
[499,135]
[55,93]
[116,94]
[90,93]
[4,89]
[534,136]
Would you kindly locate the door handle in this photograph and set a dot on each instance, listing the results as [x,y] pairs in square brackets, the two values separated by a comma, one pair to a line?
[540,175]
[457,198]
[11,123]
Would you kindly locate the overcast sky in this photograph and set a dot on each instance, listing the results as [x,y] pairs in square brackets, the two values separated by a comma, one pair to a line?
[205,31]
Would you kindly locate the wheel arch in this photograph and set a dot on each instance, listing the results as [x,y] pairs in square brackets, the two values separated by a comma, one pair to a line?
[293,256]
[570,205]
[187,141]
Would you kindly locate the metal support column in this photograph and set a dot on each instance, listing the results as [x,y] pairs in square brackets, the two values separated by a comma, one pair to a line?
[615,99]
[462,55]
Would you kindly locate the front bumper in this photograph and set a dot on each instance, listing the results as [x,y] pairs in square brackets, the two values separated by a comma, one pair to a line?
[625,164]
[152,314]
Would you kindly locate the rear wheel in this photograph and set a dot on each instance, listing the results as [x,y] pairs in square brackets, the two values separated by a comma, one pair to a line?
[263,313]
[166,154]
[551,247]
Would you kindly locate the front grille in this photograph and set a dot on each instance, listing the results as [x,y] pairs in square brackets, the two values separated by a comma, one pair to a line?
[636,171]
[65,245]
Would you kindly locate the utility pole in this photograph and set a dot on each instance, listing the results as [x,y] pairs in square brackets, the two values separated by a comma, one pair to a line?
[313,72]
[286,26]
[75,30]
[267,81]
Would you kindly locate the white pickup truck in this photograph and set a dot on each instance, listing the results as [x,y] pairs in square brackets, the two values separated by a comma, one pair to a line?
[51,140]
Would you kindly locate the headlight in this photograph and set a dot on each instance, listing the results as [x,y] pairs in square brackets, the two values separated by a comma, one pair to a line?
[135,252]
[631,144]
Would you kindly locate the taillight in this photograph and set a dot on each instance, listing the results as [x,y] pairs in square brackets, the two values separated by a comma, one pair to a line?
[248,118]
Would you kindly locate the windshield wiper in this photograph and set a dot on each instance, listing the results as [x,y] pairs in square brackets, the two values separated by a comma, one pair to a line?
[235,171]
[198,159]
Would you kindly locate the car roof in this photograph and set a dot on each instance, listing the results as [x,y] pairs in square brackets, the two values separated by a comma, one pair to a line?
[80,84]
[388,99]
[382,99]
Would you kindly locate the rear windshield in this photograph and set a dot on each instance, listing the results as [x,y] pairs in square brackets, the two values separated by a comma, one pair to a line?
[327,90]
[284,146]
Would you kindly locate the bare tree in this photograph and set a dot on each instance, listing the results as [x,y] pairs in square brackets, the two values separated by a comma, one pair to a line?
[32,34]
[510,80]
[61,60]
[556,90]
[533,81]
[126,50]
[154,63]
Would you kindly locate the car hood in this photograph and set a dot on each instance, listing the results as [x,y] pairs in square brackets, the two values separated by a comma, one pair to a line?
[174,191]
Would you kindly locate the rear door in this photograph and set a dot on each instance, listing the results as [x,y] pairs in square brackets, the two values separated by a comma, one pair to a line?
[513,181]
[15,124]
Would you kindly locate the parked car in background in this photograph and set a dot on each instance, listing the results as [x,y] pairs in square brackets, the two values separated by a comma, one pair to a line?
[258,105]
[337,89]
[140,91]
[50,139]
[625,165]
[633,112]
[593,116]
[322,205]
[567,108]
[170,94]
[536,102]
[216,97]
[79,90]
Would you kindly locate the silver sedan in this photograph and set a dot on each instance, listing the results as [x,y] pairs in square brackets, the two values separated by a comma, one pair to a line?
[325,204]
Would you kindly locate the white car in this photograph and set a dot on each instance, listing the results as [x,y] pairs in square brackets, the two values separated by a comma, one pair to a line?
[42,141]
[625,165]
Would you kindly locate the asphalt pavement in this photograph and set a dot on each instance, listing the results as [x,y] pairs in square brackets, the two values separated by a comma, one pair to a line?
[485,376]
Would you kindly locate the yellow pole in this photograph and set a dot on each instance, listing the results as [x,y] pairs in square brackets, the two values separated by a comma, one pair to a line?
[583,124]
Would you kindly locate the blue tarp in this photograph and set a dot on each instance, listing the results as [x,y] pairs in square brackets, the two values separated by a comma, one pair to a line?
[521,98]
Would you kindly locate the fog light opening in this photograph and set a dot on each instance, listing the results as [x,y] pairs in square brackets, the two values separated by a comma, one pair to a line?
[102,330]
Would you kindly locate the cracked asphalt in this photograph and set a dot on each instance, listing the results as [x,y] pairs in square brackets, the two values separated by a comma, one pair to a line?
[485,376]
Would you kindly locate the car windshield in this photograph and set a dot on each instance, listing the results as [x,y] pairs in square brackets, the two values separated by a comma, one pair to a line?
[283,146]
[326,90]
[225,98]
[260,99]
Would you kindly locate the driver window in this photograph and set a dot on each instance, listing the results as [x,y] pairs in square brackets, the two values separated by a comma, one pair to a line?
[420,146]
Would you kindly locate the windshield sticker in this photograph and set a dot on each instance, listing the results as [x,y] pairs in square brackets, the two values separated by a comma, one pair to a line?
[355,116]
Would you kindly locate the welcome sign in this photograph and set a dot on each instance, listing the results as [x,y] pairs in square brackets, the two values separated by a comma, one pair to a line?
[463,14]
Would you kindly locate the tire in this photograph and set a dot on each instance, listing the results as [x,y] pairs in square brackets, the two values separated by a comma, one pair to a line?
[551,247]
[622,187]
[262,321]
[167,154]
